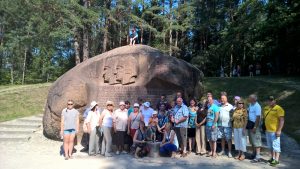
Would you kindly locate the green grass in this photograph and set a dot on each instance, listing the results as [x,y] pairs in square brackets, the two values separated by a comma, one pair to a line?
[21,101]
[288,97]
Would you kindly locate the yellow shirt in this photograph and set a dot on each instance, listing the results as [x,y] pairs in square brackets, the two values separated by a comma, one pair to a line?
[272,120]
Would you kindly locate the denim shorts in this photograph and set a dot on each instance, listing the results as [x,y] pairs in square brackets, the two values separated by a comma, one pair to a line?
[225,132]
[273,142]
[69,131]
[211,134]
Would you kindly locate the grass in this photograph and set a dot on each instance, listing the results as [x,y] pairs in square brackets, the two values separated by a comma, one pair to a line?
[21,101]
[288,96]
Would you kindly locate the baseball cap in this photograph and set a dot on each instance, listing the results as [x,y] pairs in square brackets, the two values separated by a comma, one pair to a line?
[146,104]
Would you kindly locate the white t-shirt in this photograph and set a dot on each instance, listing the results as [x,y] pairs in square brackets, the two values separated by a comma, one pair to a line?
[120,119]
[254,110]
[224,118]
[168,137]
[107,119]
[147,113]
[93,119]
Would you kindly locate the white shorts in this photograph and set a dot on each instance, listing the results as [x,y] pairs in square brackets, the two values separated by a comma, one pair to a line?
[273,142]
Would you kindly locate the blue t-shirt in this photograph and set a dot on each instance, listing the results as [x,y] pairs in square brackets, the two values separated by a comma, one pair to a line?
[192,116]
[162,119]
[130,110]
[211,113]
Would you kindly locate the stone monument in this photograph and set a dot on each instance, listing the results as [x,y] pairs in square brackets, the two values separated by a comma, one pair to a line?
[124,73]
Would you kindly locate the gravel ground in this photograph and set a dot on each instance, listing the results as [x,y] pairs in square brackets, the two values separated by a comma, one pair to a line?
[42,153]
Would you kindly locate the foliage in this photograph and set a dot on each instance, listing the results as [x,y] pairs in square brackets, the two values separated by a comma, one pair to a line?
[41,40]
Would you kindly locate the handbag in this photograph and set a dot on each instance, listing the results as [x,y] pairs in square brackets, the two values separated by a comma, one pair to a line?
[84,127]
[263,126]
[250,125]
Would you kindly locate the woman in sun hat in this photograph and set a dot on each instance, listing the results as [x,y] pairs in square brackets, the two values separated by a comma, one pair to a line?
[134,120]
[106,122]
[92,122]
[120,126]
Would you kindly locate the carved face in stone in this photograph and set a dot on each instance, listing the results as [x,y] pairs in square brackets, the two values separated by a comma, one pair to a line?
[120,71]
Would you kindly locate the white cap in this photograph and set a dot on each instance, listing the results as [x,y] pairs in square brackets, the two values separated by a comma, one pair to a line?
[121,103]
[93,104]
[155,112]
[136,105]
[146,104]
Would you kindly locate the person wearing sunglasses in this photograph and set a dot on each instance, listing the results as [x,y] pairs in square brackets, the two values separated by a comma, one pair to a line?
[240,117]
[69,127]
[106,123]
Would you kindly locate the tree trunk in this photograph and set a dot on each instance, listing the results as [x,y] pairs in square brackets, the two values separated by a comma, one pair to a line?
[85,39]
[176,39]
[150,33]
[231,61]
[142,34]
[105,37]
[12,74]
[170,42]
[77,51]
[24,66]
[120,35]
[170,32]
[85,42]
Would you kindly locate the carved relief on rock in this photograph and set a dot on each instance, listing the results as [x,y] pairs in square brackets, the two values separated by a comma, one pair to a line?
[118,70]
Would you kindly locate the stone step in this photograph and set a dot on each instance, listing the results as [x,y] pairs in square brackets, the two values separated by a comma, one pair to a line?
[25,126]
[16,132]
[15,139]
[30,121]
[39,116]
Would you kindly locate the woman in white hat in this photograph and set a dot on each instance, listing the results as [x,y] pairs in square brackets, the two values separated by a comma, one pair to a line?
[120,124]
[92,122]
[134,120]
[106,122]
[147,112]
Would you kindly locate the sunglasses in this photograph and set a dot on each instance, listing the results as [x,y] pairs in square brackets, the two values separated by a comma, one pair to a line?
[241,103]
[70,104]
[110,105]
[136,107]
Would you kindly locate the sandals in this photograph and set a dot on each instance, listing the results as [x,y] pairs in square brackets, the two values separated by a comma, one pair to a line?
[242,157]
[237,157]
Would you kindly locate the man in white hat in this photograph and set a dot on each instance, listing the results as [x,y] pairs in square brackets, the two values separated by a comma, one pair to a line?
[120,124]
[147,112]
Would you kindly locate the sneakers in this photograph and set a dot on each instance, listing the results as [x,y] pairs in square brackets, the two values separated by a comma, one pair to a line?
[117,153]
[229,155]
[221,153]
[108,155]
[270,160]
[123,152]
[274,163]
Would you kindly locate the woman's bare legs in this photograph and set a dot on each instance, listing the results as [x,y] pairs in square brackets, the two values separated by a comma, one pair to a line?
[71,144]
[66,145]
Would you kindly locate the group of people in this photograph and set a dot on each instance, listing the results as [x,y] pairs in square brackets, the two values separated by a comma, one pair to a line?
[181,128]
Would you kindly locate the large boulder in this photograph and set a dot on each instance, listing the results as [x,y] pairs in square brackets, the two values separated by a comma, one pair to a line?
[124,73]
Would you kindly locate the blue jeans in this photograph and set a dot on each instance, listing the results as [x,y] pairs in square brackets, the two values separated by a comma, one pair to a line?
[167,149]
